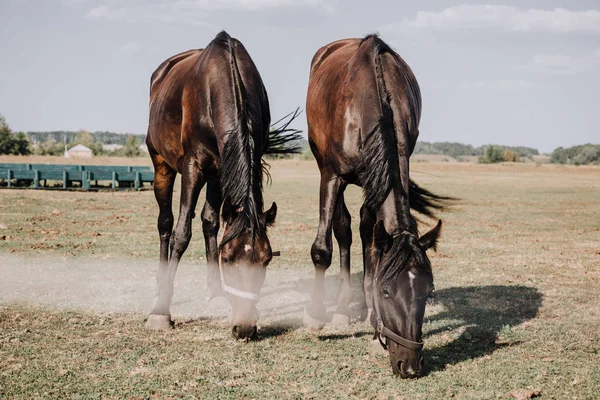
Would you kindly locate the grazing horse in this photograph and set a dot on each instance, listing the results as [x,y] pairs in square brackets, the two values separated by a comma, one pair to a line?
[210,121]
[363,110]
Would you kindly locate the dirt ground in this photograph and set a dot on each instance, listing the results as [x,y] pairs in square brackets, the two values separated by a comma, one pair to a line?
[517,276]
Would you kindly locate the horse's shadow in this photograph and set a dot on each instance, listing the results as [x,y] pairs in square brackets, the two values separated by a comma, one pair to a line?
[485,311]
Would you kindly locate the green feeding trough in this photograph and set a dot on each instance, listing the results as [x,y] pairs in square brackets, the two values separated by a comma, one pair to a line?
[63,176]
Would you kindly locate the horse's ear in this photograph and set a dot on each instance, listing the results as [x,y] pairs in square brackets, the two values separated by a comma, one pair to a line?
[268,217]
[429,240]
[381,239]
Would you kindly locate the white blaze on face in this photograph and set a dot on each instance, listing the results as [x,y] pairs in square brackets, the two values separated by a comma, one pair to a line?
[412,277]
[247,248]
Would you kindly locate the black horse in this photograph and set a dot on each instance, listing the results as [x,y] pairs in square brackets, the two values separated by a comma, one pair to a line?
[210,122]
[363,110]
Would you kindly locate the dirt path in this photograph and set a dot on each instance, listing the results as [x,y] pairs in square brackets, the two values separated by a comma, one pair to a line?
[122,287]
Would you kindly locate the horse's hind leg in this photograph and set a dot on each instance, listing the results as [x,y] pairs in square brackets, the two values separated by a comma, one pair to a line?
[191,184]
[367,222]
[210,227]
[315,314]
[343,234]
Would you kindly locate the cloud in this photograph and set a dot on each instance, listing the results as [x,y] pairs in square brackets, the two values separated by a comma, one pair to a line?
[499,17]
[194,12]
[131,47]
[499,84]
[561,64]
[135,47]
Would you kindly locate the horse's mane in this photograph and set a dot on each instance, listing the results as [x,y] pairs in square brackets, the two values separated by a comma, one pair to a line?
[380,170]
[241,168]
[380,163]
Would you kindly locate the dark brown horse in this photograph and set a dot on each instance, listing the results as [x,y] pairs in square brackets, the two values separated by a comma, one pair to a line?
[209,121]
[363,110]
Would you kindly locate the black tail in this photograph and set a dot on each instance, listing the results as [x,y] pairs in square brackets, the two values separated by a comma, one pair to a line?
[284,140]
[425,202]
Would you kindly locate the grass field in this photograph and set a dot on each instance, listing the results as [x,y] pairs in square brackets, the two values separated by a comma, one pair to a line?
[517,277]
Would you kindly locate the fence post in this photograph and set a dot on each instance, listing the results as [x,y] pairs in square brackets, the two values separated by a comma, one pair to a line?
[36,179]
[85,183]
[65,180]
[137,180]
[8,176]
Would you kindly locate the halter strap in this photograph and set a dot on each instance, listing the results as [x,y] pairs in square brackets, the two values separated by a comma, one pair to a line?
[233,291]
[387,333]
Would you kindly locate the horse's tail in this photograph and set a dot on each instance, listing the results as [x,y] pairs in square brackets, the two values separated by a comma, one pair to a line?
[283,139]
[425,202]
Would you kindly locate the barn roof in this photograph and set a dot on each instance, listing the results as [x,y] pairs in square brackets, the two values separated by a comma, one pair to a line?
[80,147]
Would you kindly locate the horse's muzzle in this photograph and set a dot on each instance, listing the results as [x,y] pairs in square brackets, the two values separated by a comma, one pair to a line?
[244,333]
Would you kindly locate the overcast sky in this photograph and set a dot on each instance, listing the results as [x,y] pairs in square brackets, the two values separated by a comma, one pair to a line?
[510,72]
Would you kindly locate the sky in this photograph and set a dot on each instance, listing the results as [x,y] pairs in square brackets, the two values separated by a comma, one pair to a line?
[523,72]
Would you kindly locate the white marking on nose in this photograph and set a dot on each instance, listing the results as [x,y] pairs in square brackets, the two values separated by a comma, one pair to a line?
[412,277]
[247,248]
[410,370]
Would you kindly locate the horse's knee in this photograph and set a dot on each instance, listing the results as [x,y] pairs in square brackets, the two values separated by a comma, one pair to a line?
[210,221]
[165,224]
[180,240]
[321,254]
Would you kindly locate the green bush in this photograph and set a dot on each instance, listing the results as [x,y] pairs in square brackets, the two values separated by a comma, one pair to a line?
[493,154]
[10,143]
[577,155]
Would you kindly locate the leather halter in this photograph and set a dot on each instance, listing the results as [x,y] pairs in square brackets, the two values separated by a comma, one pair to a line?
[387,333]
[236,292]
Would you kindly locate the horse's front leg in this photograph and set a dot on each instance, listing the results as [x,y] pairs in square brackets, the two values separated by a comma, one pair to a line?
[367,222]
[191,184]
[210,228]
[315,315]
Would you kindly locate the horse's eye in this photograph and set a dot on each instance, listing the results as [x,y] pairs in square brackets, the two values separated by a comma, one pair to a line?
[386,293]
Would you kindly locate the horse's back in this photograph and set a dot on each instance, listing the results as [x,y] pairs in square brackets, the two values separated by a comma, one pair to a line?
[195,99]
[339,87]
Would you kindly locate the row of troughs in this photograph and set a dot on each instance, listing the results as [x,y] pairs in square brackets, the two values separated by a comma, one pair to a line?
[66,176]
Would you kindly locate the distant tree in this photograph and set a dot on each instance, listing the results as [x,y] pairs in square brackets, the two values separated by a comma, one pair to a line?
[16,144]
[131,147]
[493,154]
[510,156]
[559,156]
[50,148]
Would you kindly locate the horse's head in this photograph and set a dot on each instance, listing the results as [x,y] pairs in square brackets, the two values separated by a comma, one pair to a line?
[243,258]
[403,283]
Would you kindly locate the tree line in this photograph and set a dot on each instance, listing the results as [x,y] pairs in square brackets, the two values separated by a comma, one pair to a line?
[577,155]
[56,142]
[456,150]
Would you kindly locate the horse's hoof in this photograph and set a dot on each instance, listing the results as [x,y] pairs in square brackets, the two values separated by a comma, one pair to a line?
[340,320]
[377,348]
[312,324]
[158,322]
[219,304]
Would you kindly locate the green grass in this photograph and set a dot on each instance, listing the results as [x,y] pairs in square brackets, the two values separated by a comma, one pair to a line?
[517,306]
